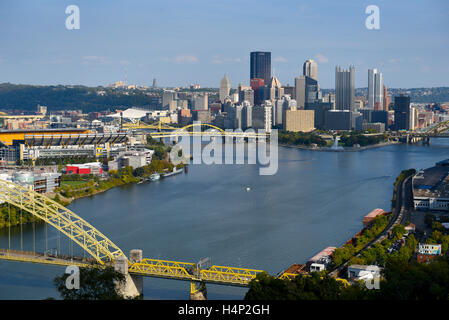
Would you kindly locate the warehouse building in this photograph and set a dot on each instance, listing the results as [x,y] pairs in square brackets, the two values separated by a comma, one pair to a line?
[431,188]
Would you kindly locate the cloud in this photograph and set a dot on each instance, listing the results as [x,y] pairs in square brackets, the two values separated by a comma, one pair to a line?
[221,60]
[94,59]
[321,58]
[186,59]
[280,59]
[393,60]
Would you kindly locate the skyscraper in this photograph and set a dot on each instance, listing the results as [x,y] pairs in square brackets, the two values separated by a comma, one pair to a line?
[375,90]
[344,88]
[225,88]
[154,83]
[261,66]
[310,69]
[402,112]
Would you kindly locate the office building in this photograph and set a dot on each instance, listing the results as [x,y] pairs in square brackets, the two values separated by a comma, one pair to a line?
[261,117]
[310,69]
[402,112]
[260,67]
[306,91]
[344,88]
[319,109]
[247,115]
[375,90]
[338,120]
[225,88]
[200,102]
[167,97]
[298,120]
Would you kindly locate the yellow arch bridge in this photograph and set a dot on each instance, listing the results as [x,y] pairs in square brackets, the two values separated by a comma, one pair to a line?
[193,130]
[103,252]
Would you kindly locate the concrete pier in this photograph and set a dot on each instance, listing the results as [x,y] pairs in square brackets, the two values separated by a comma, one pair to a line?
[198,290]
[132,287]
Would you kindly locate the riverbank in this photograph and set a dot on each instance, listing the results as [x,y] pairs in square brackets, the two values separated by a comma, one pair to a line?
[344,149]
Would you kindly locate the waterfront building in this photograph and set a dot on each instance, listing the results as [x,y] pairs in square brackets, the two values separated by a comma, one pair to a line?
[319,108]
[344,88]
[338,120]
[298,120]
[430,188]
[260,66]
[376,126]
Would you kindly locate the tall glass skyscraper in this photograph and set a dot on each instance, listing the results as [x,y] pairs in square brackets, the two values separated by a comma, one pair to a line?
[261,66]
[402,112]
[344,88]
[375,90]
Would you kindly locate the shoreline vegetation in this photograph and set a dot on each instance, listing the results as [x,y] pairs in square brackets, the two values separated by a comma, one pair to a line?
[349,142]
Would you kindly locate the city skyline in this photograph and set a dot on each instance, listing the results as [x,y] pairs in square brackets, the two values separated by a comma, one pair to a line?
[39,50]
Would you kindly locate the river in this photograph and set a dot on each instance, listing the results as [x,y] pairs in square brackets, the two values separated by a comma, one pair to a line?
[316,199]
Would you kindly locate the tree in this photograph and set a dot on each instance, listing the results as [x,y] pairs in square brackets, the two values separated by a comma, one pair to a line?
[95,284]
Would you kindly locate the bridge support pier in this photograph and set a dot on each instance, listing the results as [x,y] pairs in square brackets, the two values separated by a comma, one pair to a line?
[132,287]
[198,290]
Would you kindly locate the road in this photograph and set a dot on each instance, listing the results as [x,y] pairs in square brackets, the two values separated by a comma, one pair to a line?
[401,212]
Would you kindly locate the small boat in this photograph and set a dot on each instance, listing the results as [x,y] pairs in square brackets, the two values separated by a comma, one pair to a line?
[248,189]
[155,177]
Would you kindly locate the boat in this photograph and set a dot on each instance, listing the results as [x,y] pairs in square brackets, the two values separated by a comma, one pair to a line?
[155,177]
[168,174]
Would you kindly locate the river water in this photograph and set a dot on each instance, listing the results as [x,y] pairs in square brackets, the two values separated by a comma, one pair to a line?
[316,199]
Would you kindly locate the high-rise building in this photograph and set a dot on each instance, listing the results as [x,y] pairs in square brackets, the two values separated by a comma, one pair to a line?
[386,99]
[306,91]
[225,88]
[167,97]
[375,90]
[200,102]
[261,117]
[247,115]
[310,69]
[274,90]
[344,88]
[261,66]
[402,112]
[154,83]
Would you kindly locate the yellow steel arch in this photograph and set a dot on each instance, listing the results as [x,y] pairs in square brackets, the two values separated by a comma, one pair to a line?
[203,124]
[74,227]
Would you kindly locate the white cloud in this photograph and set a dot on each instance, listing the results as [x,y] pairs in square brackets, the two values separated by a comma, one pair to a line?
[186,59]
[94,59]
[321,58]
[393,60]
[280,59]
[220,60]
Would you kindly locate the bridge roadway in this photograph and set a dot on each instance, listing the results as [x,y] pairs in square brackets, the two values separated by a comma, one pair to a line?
[146,267]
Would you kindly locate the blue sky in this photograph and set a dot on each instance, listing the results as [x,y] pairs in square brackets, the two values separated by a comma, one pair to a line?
[181,42]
